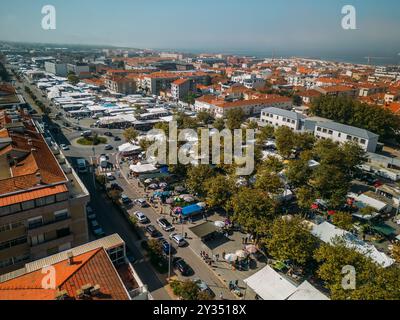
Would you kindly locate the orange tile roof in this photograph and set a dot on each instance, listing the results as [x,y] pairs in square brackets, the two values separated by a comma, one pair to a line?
[31,195]
[395,107]
[243,103]
[93,267]
[180,82]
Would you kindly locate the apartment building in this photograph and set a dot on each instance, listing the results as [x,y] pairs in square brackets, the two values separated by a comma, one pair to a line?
[181,88]
[342,133]
[98,270]
[42,200]
[280,117]
[58,69]
[321,128]
[80,69]
[220,107]
[162,81]
[338,91]
[121,84]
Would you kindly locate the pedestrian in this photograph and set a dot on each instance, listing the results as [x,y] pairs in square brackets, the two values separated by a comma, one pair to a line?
[223,255]
[245,240]
[186,235]
[217,257]
[221,296]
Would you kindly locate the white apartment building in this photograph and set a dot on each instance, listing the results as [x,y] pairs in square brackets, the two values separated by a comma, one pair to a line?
[58,69]
[279,117]
[343,133]
[321,129]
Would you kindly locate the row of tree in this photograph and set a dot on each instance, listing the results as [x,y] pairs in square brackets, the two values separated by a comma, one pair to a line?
[352,112]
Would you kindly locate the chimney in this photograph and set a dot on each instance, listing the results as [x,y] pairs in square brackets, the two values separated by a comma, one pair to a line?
[70,256]
[38,178]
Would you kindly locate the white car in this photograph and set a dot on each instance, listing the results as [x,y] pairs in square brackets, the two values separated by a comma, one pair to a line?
[141,217]
[178,239]
[64,147]
[110,176]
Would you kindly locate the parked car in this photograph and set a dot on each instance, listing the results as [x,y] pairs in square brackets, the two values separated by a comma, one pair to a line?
[78,128]
[99,233]
[116,186]
[108,147]
[110,176]
[178,239]
[108,134]
[165,224]
[90,214]
[64,147]
[203,286]
[141,203]
[152,231]
[182,266]
[141,217]
[116,138]
[125,199]
[165,246]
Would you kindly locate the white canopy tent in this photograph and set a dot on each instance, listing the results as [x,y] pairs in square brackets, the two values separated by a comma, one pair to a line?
[128,148]
[270,285]
[327,232]
[143,168]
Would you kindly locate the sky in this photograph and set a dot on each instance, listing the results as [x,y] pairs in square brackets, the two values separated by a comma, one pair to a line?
[294,27]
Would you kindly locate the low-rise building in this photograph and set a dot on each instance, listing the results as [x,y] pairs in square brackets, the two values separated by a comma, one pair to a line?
[58,69]
[98,270]
[280,117]
[181,88]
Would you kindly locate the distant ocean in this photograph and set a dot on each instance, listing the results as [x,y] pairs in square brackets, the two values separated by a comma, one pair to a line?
[376,59]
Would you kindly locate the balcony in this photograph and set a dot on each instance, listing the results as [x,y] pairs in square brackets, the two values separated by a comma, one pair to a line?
[42,228]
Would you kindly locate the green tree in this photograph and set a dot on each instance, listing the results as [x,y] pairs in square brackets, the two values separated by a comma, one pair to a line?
[268,181]
[343,220]
[196,177]
[252,125]
[219,124]
[297,100]
[305,197]
[234,118]
[72,78]
[285,141]
[219,190]
[372,281]
[253,209]
[265,133]
[291,239]
[187,290]
[205,118]
[130,134]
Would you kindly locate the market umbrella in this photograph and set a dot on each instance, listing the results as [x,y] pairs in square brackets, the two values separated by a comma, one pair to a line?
[202,204]
[251,248]
[179,189]
[241,254]
[169,201]
[230,257]
[148,181]
[219,224]
[153,186]
[178,199]
[188,199]
[163,185]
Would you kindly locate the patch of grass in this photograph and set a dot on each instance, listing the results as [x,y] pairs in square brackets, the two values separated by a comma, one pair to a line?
[90,141]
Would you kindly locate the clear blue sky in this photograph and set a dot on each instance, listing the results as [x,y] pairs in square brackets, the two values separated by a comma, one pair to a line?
[286,26]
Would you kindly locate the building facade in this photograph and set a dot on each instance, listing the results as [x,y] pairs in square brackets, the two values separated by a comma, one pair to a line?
[42,200]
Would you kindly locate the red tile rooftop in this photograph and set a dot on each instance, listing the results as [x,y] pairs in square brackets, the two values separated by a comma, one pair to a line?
[93,267]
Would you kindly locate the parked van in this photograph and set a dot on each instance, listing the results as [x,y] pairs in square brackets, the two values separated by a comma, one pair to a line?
[82,167]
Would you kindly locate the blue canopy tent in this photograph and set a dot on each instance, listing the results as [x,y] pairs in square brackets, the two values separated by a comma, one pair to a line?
[192,210]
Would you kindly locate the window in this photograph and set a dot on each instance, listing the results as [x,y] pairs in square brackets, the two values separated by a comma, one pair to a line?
[63,232]
[330,132]
[318,129]
[35,222]
[28,205]
[50,199]
[40,202]
[61,215]
[62,197]
[6,263]
[339,134]
[324,130]
[348,137]
[355,139]
[13,243]
[35,240]
[363,141]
